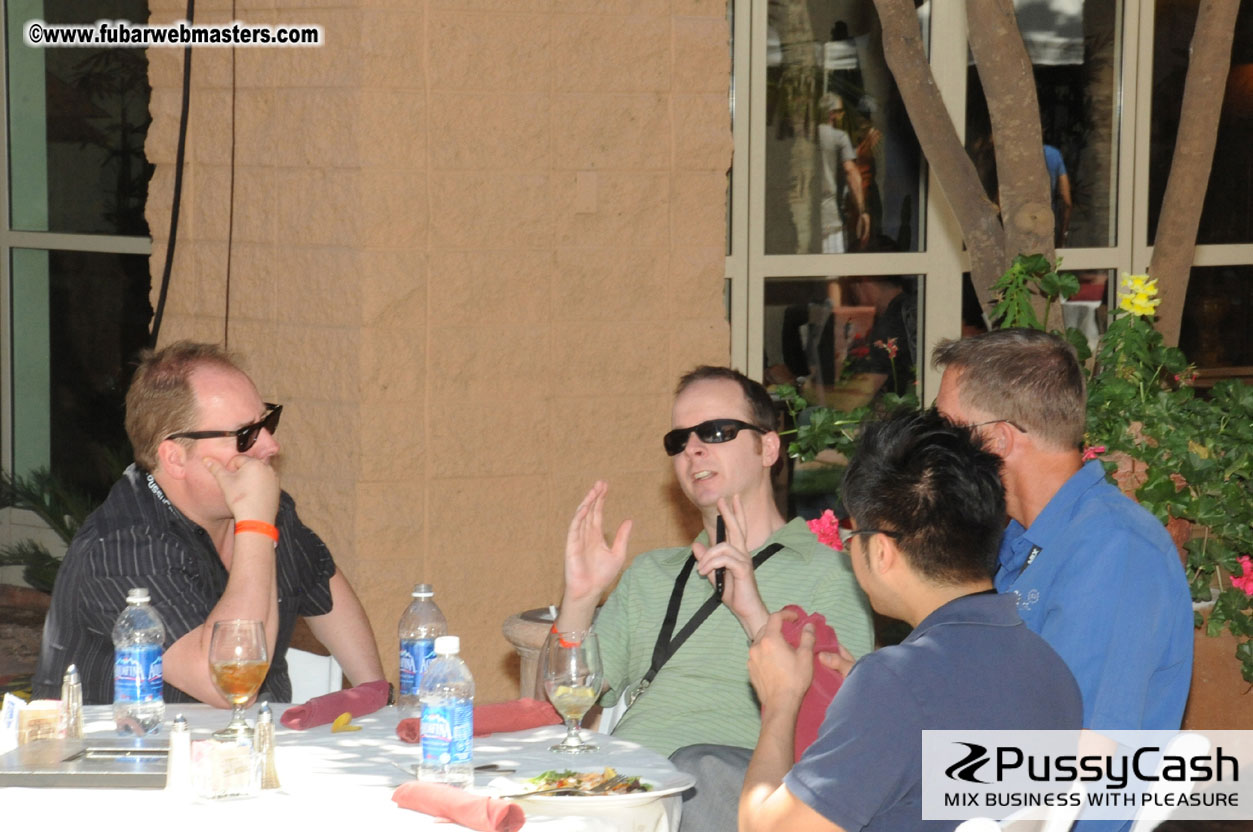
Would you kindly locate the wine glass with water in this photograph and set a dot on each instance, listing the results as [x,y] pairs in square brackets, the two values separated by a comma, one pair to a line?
[572,675]
[238,663]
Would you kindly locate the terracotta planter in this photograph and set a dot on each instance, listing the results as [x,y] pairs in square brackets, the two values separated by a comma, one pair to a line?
[1220,699]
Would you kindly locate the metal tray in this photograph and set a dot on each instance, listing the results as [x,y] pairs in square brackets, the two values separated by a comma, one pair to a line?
[97,762]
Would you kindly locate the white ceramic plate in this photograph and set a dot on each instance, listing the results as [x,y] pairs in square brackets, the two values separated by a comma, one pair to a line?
[673,784]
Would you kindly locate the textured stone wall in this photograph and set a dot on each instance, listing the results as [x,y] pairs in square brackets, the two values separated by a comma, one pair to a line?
[470,245]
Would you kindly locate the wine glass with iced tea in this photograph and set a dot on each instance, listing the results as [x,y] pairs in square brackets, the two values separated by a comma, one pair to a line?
[572,675]
[238,663]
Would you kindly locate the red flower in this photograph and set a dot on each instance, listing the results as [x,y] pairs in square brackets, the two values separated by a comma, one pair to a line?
[889,346]
[1245,581]
[827,528]
[1092,452]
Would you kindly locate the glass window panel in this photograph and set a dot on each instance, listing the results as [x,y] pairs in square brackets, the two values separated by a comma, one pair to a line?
[731,108]
[1074,50]
[1217,329]
[1087,311]
[77,122]
[80,319]
[1227,215]
[836,130]
[842,340]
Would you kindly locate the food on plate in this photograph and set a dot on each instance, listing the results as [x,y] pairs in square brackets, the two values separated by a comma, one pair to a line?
[588,780]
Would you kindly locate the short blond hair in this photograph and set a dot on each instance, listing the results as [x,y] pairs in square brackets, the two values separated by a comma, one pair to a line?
[160,400]
[1029,377]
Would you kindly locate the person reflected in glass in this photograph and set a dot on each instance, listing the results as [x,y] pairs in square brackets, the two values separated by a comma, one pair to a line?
[840,176]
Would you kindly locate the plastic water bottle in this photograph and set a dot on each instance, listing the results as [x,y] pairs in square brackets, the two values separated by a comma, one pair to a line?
[447,695]
[138,639]
[421,624]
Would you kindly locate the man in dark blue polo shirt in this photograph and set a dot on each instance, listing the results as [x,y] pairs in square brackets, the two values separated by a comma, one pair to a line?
[1092,571]
[927,510]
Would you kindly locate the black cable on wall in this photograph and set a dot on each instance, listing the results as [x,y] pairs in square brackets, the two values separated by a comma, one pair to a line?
[178,186]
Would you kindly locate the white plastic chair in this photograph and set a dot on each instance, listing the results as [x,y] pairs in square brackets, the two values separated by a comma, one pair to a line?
[312,675]
[609,716]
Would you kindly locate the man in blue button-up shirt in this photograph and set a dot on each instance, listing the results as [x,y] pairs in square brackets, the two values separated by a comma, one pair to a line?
[1095,573]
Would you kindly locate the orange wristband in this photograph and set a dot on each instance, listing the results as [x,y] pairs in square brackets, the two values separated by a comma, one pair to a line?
[257,526]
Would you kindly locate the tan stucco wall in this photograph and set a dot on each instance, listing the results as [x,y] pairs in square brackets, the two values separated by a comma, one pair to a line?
[473,245]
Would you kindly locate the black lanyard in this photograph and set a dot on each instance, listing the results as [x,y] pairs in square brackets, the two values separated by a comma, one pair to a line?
[667,646]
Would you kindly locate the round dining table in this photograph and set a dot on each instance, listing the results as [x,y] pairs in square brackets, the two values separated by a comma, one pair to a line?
[346,779]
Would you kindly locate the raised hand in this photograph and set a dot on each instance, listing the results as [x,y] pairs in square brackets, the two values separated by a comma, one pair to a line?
[249,485]
[591,564]
[740,592]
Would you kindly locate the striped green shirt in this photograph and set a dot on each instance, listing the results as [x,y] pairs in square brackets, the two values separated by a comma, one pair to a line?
[702,694]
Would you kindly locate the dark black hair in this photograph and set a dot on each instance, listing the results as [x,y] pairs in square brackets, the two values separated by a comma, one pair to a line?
[760,405]
[933,483]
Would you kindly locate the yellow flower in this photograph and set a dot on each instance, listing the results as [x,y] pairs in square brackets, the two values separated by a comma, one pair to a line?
[1137,294]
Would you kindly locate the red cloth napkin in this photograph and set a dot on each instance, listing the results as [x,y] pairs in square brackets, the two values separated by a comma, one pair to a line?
[362,700]
[826,681]
[516,715]
[486,814]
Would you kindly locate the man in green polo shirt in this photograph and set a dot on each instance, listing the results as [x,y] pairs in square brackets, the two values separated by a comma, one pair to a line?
[723,444]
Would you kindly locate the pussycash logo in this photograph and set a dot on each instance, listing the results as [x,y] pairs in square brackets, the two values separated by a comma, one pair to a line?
[1114,771]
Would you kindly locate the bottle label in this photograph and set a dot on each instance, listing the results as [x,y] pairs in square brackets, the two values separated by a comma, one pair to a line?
[415,654]
[447,732]
[137,675]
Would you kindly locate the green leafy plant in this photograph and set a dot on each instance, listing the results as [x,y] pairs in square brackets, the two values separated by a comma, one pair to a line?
[1186,458]
[60,509]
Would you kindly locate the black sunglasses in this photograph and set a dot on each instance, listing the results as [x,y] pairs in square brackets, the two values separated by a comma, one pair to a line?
[246,436]
[848,534]
[711,433]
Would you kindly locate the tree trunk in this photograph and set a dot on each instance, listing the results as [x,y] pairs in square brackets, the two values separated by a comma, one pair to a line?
[976,214]
[1203,92]
[800,87]
[1091,222]
[1009,85]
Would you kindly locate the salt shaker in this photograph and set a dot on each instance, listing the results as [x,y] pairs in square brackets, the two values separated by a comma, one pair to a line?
[72,704]
[178,766]
[265,747]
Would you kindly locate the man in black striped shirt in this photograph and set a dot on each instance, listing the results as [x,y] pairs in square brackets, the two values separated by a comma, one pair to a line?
[200,520]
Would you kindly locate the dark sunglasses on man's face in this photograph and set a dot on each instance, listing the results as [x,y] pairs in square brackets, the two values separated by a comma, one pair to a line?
[246,436]
[711,433]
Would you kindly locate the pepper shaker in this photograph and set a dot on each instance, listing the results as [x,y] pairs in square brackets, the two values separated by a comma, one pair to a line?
[72,704]
[265,747]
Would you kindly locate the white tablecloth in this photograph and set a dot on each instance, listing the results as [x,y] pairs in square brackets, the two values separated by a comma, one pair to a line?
[346,780]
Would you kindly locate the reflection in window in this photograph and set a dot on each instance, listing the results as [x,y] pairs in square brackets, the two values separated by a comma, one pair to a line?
[77,123]
[843,168]
[73,355]
[1227,216]
[1217,329]
[1087,310]
[842,341]
[1072,49]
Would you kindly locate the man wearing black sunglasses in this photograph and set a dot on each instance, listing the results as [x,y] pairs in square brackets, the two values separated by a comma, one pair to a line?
[689,695]
[201,522]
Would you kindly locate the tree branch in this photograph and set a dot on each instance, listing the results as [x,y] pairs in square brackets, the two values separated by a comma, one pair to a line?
[1203,90]
[976,214]
[1009,86]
